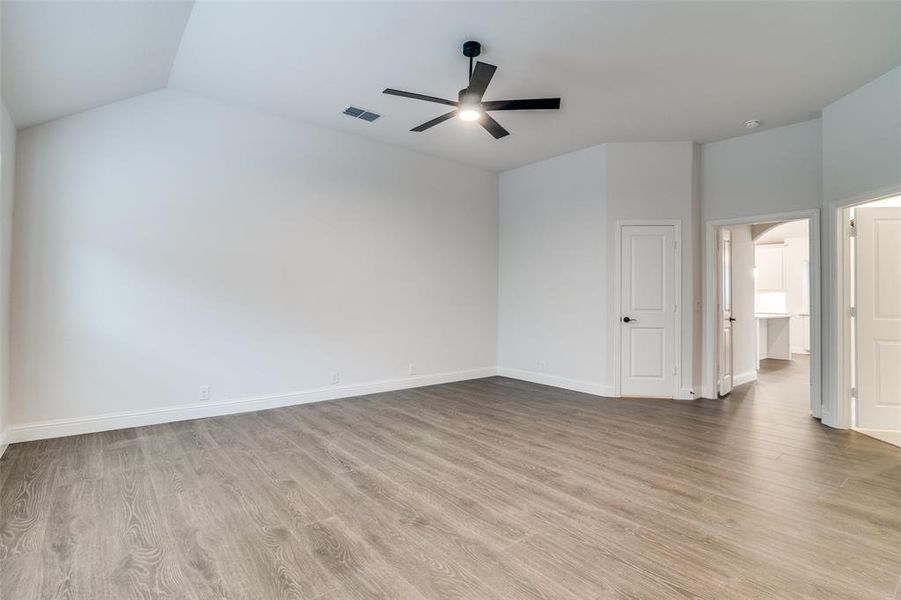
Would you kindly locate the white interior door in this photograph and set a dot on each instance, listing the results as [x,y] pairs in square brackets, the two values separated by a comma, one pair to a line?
[878,270]
[648,307]
[726,318]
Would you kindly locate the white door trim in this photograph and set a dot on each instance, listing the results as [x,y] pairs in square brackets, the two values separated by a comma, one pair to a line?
[710,326]
[617,302]
[837,322]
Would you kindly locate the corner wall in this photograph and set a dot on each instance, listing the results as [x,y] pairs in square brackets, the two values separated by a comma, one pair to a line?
[557,235]
[7,175]
[658,180]
[552,297]
[861,160]
[169,242]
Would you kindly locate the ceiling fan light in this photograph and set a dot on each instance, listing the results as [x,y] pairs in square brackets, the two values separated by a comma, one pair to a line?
[468,113]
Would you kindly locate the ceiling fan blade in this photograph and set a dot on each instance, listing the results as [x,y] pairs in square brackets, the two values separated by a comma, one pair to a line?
[435,121]
[481,77]
[419,97]
[528,104]
[493,127]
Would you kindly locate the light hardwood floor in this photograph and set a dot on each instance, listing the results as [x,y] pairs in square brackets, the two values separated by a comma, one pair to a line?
[484,489]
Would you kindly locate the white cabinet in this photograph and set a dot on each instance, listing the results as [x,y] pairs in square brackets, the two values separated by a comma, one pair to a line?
[769,261]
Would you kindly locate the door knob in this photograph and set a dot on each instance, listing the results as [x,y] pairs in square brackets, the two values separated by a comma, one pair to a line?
[731,319]
[629,320]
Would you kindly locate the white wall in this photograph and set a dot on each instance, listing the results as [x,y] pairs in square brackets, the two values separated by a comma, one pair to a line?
[553,299]
[862,139]
[168,242]
[773,171]
[7,164]
[744,329]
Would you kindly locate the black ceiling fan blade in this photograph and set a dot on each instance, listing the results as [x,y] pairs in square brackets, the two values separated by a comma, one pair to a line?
[435,121]
[493,127]
[481,77]
[416,96]
[527,104]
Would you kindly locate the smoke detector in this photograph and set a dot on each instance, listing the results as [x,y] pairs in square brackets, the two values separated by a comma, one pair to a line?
[752,124]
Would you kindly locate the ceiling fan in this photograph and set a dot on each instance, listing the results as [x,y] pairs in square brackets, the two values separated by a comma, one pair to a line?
[469,105]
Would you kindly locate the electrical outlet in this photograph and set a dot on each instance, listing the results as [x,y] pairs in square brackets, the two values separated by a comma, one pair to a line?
[412,369]
[204,392]
[336,377]
[542,365]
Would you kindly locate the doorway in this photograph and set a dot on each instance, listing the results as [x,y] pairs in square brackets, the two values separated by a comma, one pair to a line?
[872,304]
[711,306]
[764,308]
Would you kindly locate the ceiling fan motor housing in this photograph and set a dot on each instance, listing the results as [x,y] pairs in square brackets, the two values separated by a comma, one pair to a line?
[462,96]
[471,49]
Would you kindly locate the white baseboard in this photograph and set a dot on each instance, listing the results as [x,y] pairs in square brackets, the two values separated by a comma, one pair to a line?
[888,436]
[799,350]
[137,418]
[587,387]
[744,377]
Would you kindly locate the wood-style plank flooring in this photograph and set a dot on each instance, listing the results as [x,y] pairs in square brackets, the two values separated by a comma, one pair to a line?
[483,490]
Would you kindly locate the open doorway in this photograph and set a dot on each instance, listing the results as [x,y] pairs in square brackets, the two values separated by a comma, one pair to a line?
[871,301]
[764,309]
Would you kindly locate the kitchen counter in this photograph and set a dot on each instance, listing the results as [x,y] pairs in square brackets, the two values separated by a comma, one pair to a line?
[773,339]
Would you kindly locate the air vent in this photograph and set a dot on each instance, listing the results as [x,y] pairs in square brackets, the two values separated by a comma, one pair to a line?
[353,111]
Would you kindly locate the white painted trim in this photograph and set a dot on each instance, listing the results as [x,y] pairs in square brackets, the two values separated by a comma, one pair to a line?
[688,394]
[710,339]
[678,391]
[137,418]
[837,334]
[4,441]
[576,385]
[744,378]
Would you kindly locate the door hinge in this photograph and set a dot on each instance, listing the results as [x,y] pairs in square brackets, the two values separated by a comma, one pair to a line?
[854,392]
[852,229]
[853,311]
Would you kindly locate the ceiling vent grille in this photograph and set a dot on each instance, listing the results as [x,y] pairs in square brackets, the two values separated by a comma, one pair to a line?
[359,113]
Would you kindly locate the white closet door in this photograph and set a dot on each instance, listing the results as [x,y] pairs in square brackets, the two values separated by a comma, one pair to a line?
[648,301]
[878,318]
[726,318]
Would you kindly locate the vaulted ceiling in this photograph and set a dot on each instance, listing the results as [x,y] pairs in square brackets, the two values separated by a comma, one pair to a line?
[627,71]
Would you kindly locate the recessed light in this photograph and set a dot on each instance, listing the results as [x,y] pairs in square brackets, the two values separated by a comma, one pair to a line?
[752,124]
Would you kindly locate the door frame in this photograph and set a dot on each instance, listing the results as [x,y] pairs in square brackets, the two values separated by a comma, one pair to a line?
[711,343]
[617,301]
[839,317]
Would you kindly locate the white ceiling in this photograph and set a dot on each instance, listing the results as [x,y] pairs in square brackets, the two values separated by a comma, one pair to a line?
[627,71]
[60,58]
